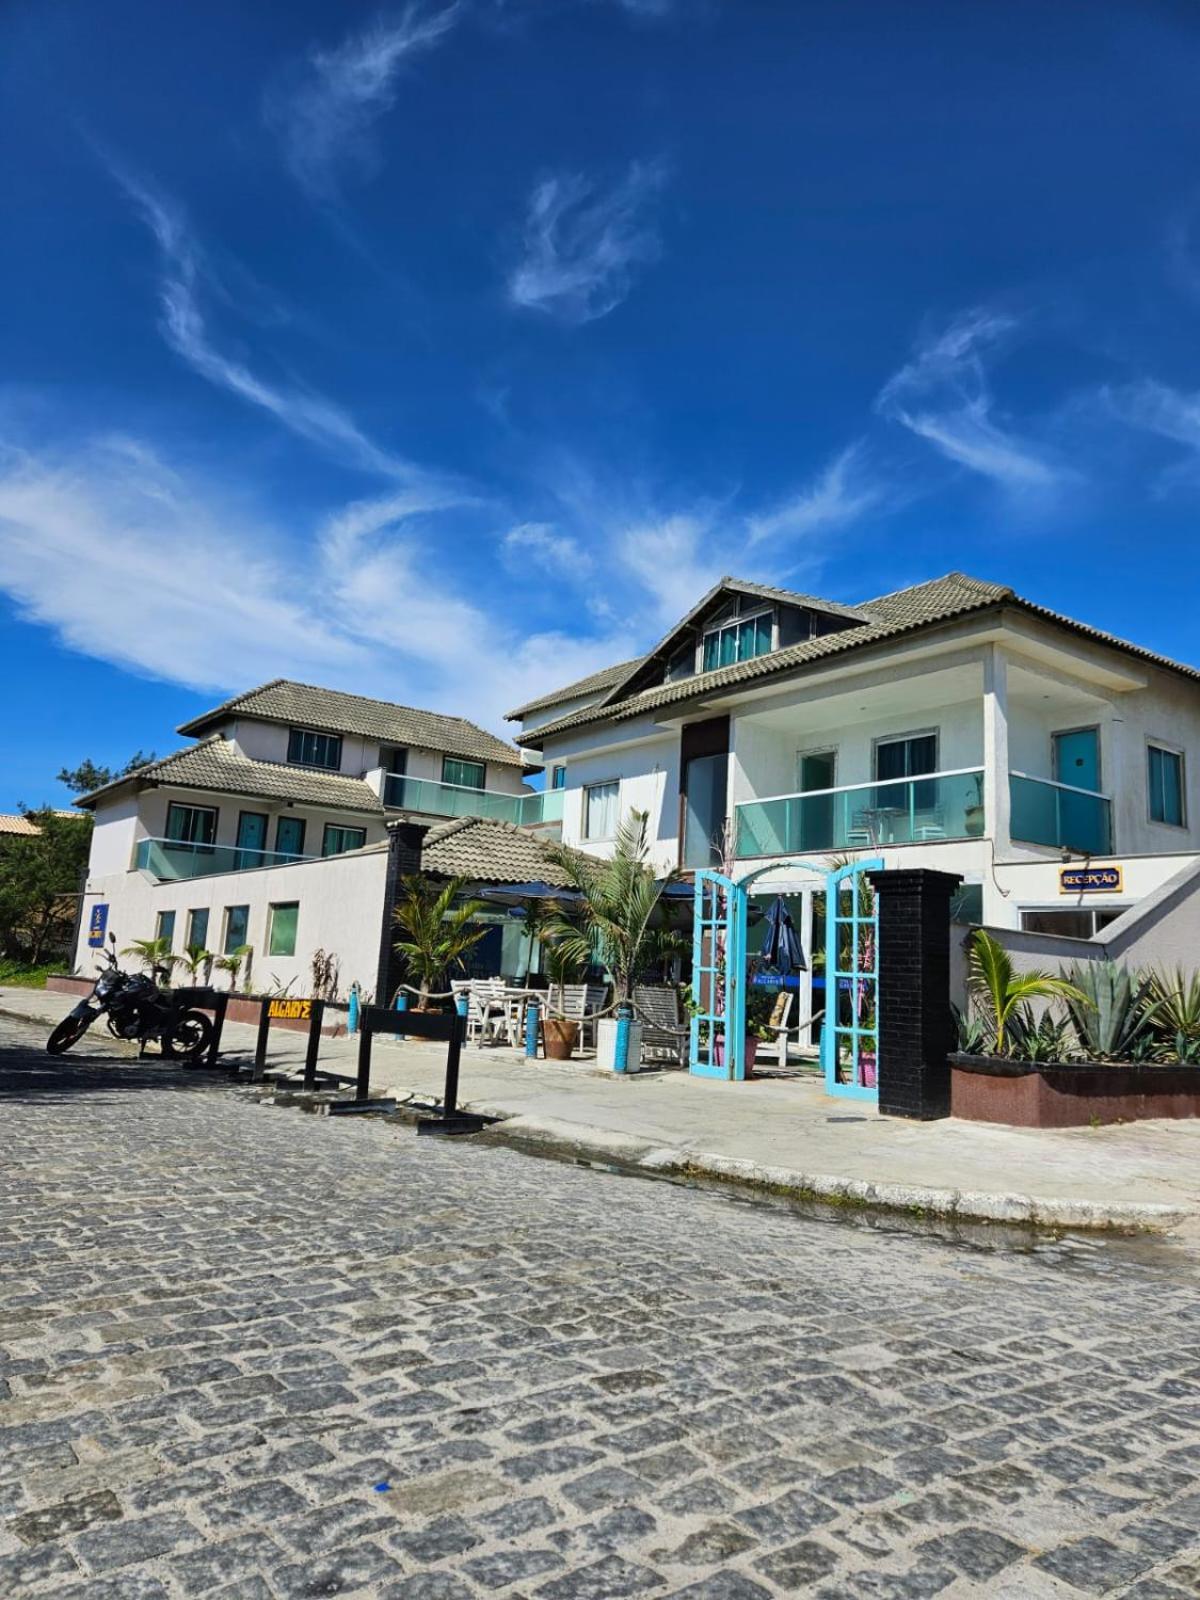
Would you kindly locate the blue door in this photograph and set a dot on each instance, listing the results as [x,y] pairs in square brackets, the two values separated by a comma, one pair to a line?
[718,1025]
[1082,820]
[850,1034]
[289,836]
[251,838]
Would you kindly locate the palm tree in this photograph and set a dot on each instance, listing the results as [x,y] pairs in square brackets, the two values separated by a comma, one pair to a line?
[619,921]
[232,963]
[436,923]
[195,958]
[152,953]
[996,986]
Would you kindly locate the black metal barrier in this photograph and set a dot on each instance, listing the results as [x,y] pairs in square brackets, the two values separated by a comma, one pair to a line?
[450,1026]
[280,1008]
[204,998]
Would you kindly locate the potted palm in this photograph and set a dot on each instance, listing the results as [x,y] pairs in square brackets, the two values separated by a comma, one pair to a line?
[154,955]
[619,922]
[563,966]
[439,929]
[232,961]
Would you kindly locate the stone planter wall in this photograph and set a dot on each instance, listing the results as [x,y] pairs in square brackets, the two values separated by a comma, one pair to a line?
[241,1008]
[1024,1094]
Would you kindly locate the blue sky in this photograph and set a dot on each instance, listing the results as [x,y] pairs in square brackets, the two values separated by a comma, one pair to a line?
[449,351]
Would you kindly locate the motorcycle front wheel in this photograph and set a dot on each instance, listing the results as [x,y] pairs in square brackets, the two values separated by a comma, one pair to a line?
[188,1037]
[68,1032]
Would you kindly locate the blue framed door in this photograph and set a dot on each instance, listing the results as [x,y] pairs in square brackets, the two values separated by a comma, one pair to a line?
[718,1028]
[289,836]
[850,1035]
[251,837]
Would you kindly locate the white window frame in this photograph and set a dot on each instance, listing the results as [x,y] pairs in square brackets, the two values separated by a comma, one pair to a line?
[1169,750]
[903,738]
[314,733]
[603,783]
[282,905]
[767,611]
[816,750]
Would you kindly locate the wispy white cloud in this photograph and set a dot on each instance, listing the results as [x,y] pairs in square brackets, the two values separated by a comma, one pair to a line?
[943,396]
[582,244]
[1158,408]
[674,559]
[839,496]
[324,113]
[186,330]
[539,547]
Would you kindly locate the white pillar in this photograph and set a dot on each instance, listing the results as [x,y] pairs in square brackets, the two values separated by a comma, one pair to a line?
[995,750]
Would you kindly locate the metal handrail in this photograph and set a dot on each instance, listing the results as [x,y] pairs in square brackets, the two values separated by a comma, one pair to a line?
[873,783]
[1053,783]
[467,788]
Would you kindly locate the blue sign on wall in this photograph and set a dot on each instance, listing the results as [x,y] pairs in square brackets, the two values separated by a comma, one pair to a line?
[98,926]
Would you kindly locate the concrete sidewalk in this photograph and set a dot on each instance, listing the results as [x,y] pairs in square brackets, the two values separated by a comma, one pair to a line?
[786,1134]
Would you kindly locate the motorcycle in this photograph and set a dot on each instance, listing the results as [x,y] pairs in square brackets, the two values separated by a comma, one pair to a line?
[137,1009]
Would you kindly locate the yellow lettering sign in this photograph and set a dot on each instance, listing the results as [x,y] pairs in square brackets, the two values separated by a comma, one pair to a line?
[290,1010]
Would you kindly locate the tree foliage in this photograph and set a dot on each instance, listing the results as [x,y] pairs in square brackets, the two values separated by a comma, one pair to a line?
[437,930]
[40,880]
[1001,992]
[88,776]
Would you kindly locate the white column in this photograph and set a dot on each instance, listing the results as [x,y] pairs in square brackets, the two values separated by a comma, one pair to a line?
[995,749]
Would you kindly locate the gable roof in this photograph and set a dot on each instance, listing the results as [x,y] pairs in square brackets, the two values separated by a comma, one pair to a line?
[215,764]
[888,617]
[604,679]
[489,851]
[333,711]
[12,823]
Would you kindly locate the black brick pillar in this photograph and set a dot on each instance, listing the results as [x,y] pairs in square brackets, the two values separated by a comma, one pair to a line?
[406,843]
[916,1024]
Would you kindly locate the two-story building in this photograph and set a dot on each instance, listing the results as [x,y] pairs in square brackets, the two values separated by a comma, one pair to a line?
[952,724]
[261,833]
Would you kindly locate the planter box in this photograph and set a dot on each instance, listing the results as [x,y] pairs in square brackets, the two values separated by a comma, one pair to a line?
[1026,1094]
[606,1045]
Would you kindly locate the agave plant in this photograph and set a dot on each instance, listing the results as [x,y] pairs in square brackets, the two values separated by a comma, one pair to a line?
[1174,998]
[973,1036]
[1046,1038]
[999,991]
[1109,1011]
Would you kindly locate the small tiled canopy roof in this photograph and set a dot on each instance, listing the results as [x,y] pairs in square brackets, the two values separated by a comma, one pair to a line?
[17,826]
[332,711]
[215,764]
[487,851]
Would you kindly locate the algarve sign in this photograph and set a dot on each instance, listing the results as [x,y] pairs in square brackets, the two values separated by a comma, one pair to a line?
[290,1010]
[1090,880]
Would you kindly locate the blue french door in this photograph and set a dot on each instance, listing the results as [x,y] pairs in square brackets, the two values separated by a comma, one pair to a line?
[251,837]
[718,1028]
[289,836]
[850,1035]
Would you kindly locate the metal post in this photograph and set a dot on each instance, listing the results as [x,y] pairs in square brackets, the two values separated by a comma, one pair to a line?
[401,1005]
[532,1013]
[220,1006]
[362,1092]
[621,1050]
[314,1043]
[453,1052]
[260,1046]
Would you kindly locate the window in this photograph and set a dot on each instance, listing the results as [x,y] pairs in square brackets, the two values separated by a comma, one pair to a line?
[558,777]
[281,935]
[198,928]
[191,824]
[906,758]
[737,641]
[337,839]
[600,810]
[1165,777]
[237,926]
[1078,922]
[307,749]
[165,928]
[466,774]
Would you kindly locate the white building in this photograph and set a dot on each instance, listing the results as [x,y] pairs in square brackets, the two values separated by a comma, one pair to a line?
[271,831]
[951,725]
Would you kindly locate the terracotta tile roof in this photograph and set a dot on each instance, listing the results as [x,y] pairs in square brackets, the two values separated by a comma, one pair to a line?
[604,679]
[332,711]
[215,764]
[888,617]
[488,851]
[17,826]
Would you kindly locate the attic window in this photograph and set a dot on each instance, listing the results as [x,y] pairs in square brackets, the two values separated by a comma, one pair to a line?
[737,641]
[309,749]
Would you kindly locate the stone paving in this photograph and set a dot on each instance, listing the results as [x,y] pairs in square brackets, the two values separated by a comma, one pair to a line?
[246,1352]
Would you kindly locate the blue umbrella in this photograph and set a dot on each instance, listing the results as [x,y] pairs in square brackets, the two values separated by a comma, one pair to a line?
[781,946]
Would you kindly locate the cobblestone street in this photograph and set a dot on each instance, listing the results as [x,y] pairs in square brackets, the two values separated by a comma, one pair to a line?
[249,1352]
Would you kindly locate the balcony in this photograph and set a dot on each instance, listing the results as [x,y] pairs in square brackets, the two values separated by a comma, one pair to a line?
[924,810]
[170,860]
[454,800]
[1058,815]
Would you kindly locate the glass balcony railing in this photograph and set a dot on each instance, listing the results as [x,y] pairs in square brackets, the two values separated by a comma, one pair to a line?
[169,860]
[455,800]
[924,810]
[1056,814]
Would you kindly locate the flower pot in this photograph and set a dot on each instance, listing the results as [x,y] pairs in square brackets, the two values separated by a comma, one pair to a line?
[606,1045]
[749,1052]
[868,1069]
[561,1038]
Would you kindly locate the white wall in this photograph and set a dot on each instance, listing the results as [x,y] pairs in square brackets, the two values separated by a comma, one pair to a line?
[648,773]
[114,836]
[341,910]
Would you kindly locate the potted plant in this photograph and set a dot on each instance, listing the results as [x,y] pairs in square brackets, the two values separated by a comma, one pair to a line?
[563,966]
[619,922]
[232,963]
[154,954]
[439,930]
[1000,993]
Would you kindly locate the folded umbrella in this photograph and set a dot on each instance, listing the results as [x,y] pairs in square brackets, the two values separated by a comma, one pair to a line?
[781,947]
